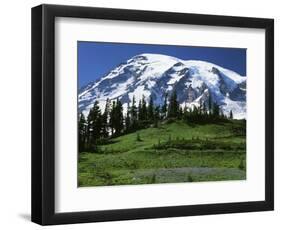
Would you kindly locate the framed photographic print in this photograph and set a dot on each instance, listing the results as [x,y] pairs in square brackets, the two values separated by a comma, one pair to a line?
[142,114]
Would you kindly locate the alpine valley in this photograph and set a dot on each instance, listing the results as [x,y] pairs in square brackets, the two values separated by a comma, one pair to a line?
[153,75]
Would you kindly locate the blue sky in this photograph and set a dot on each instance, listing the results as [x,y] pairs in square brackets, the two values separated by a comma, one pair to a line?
[95,59]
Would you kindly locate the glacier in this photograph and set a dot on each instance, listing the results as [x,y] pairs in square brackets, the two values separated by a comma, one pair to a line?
[155,75]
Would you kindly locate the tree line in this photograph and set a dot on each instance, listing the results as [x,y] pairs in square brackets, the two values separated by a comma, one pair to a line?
[98,127]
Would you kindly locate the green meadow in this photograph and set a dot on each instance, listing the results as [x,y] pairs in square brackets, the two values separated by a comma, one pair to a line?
[173,152]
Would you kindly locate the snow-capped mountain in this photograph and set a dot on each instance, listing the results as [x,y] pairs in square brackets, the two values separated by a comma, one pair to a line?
[155,75]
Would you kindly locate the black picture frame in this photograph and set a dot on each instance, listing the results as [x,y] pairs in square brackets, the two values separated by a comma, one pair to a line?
[43,110]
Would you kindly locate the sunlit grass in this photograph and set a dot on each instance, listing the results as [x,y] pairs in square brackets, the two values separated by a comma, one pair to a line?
[135,159]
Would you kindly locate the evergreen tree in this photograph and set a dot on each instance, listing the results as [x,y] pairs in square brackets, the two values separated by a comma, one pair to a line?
[133,114]
[216,110]
[173,105]
[143,108]
[185,115]
[94,125]
[128,119]
[119,119]
[222,116]
[105,115]
[231,115]
[180,113]
[164,108]
[140,113]
[195,114]
[156,116]
[116,118]
[150,109]
[82,132]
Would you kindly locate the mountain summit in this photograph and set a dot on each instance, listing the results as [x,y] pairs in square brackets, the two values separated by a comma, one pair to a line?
[155,75]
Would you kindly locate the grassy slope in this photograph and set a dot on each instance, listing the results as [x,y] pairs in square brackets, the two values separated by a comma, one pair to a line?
[129,161]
